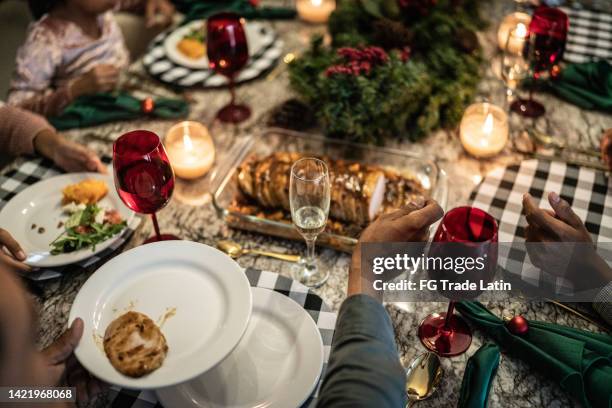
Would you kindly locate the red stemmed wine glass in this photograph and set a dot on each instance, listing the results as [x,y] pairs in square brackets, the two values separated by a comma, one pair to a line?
[144,178]
[465,231]
[228,53]
[544,49]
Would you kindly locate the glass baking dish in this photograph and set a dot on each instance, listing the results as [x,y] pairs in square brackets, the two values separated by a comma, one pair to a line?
[225,185]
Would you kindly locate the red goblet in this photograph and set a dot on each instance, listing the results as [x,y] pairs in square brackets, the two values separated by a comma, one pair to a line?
[544,49]
[228,53]
[143,176]
[471,232]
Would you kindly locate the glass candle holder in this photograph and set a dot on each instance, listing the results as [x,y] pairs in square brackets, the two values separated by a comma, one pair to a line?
[190,149]
[509,23]
[315,11]
[484,130]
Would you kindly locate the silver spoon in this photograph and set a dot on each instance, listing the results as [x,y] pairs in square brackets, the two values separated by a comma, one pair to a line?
[423,376]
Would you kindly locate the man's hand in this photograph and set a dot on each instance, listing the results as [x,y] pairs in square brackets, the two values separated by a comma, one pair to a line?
[70,156]
[159,13]
[11,253]
[63,367]
[567,249]
[408,224]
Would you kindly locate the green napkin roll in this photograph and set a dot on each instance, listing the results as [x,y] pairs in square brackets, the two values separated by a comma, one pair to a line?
[579,361]
[587,85]
[478,377]
[91,110]
[198,9]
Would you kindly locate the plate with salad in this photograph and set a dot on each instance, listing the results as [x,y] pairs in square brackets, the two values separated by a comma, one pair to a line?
[66,219]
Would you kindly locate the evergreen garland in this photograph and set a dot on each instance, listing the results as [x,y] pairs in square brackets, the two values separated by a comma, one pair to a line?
[424,80]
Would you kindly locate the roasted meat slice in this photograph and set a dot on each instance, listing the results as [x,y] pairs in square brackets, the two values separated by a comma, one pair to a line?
[357,191]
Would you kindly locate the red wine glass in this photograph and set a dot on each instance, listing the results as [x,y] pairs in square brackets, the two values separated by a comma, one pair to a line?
[544,49]
[228,53]
[144,178]
[473,230]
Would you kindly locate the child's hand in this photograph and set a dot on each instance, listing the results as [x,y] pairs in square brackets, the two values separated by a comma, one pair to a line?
[102,78]
[159,13]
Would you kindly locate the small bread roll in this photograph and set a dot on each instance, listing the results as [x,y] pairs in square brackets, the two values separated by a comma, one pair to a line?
[135,345]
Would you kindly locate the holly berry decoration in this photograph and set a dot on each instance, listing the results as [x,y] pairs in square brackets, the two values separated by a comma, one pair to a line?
[148,105]
[517,325]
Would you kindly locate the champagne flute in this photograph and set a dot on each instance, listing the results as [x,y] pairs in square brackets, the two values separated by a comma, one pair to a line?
[309,198]
[228,53]
[514,66]
[463,231]
[144,177]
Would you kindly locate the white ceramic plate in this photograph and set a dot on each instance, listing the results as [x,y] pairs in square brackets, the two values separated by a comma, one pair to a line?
[41,205]
[203,292]
[276,365]
[258,35]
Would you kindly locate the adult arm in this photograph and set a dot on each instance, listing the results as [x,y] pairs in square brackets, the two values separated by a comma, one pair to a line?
[364,368]
[19,129]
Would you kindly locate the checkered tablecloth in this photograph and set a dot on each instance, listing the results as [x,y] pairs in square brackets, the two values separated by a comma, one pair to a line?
[33,171]
[589,37]
[311,302]
[588,191]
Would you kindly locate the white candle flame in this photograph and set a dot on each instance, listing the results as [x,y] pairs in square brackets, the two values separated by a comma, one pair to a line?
[487,128]
[316,3]
[187,143]
[521,30]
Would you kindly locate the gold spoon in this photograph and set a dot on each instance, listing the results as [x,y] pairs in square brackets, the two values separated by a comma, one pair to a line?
[235,250]
[423,376]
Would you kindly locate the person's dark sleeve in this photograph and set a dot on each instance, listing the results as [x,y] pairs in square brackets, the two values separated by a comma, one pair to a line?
[364,368]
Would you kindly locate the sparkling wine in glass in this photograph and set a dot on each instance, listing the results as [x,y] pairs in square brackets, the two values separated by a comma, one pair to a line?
[309,198]
[544,49]
[464,231]
[144,178]
[228,53]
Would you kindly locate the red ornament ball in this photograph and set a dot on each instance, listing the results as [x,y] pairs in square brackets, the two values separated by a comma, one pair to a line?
[147,105]
[518,325]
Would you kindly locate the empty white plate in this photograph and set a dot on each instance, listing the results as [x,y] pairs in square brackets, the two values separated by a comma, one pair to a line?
[199,297]
[40,206]
[258,36]
[276,365]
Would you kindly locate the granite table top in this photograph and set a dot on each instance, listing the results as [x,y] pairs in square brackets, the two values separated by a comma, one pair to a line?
[191,216]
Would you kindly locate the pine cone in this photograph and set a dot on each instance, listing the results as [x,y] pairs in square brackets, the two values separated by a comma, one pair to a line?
[292,114]
[391,34]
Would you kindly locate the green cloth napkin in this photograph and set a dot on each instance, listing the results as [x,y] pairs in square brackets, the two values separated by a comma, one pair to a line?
[587,85]
[90,110]
[478,377]
[579,361]
[201,9]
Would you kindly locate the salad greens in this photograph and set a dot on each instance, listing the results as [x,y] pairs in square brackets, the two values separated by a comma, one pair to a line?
[84,228]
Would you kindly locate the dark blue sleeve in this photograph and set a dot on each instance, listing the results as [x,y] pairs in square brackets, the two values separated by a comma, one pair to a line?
[364,368]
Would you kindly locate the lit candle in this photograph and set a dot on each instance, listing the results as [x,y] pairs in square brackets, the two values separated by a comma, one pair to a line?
[515,21]
[484,130]
[315,11]
[190,149]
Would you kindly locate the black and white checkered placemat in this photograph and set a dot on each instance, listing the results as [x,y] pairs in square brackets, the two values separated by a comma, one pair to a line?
[314,305]
[589,37]
[32,171]
[588,191]
[164,69]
